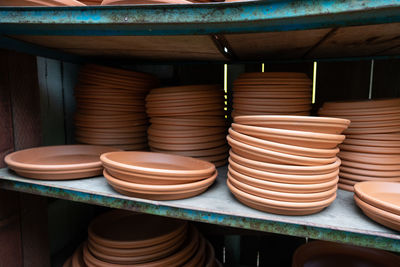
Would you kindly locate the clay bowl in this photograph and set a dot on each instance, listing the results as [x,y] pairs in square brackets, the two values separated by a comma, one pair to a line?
[188,139]
[189,121]
[378,174]
[370,158]
[266,155]
[196,153]
[285,169]
[371,143]
[279,207]
[59,175]
[158,164]
[322,253]
[282,196]
[383,217]
[291,137]
[278,147]
[57,158]
[283,178]
[187,147]
[382,195]
[372,167]
[282,186]
[149,179]
[128,230]
[361,178]
[154,130]
[297,123]
[369,149]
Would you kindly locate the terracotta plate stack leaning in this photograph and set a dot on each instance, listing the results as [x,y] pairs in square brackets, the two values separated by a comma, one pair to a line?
[380,201]
[111,107]
[285,164]
[188,121]
[157,176]
[329,254]
[371,150]
[58,162]
[120,238]
[272,93]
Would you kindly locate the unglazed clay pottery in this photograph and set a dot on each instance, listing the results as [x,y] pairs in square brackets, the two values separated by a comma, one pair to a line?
[185,96]
[154,130]
[189,121]
[279,207]
[282,196]
[383,217]
[373,118]
[348,181]
[291,137]
[272,95]
[168,103]
[188,139]
[370,158]
[285,169]
[361,178]
[297,123]
[59,175]
[161,192]
[372,143]
[330,254]
[383,195]
[281,186]
[378,174]
[363,104]
[345,187]
[272,102]
[41,3]
[257,113]
[369,149]
[198,259]
[377,137]
[274,75]
[371,130]
[187,147]
[373,167]
[77,257]
[197,153]
[358,112]
[158,164]
[284,178]
[262,108]
[278,147]
[266,155]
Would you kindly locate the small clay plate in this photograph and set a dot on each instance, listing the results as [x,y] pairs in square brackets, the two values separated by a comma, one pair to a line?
[196,153]
[185,147]
[378,174]
[158,164]
[378,137]
[372,167]
[383,217]
[190,121]
[345,187]
[330,254]
[187,140]
[383,195]
[362,178]
[370,158]
[155,130]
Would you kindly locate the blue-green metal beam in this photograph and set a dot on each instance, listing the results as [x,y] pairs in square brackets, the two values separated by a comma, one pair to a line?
[213,18]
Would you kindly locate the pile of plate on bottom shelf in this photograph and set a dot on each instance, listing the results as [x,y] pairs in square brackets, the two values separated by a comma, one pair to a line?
[121,238]
[285,164]
[157,176]
[371,150]
[380,201]
[329,254]
[272,93]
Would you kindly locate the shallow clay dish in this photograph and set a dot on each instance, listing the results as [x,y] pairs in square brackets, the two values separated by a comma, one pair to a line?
[187,147]
[377,137]
[266,155]
[278,147]
[77,257]
[158,164]
[361,178]
[370,158]
[277,94]
[383,217]
[373,130]
[272,102]
[369,149]
[155,130]
[279,207]
[346,187]
[41,3]
[285,169]
[383,195]
[60,175]
[283,178]
[262,108]
[290,137]
[330,254]
[188,139]
[378,174]
[373,167]
[196,153]
[297,123]
[373,143]
[189,121]
[282,196]
[363,104]
[282,186]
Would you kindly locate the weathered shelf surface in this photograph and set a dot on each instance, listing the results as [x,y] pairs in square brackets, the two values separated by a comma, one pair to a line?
[341,222]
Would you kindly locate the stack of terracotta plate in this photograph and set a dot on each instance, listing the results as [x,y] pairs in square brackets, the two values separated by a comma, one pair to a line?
[157,176]
[188,121]
[58,162]
[285,164]
[380,201]
[146,2]
[272,93]
[40,3]
[111,107]
[120,238]
[321,253]
[371,150]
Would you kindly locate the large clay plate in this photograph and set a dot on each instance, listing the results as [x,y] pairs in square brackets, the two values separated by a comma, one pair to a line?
[297,123]
[187,147]
[137,147]
[285,169]
[370,158]
[186,103]
[358,112]
[119,130]
[129,230]
[361,178]
[377,137]
[282,196]
[272,95]
[373,167]
[383,195]
[373,118]
[165,91]
[158,164]
[154,130]
[369,149]
[190,121]
[385,218]
[289,149]
[105,118]
[363,104]
[107,125]
[283,178]
[267,108]
[187,139]
[272,102]
[266,155]
[59,175]
[390,122]
[330,254]
[290,137]
[279,207]
[373,130]
[247,113]
[57,158]
[281,186]
[116,135]
[187,96]
[111,141]
[283,89]
[202,130]
[215,113]
[378,174]
[196,153]
[371,143]
[198,259]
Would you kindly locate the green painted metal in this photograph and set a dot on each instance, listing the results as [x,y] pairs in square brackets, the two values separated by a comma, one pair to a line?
[360,239]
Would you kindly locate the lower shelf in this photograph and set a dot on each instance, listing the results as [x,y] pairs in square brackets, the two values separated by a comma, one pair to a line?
[341,222]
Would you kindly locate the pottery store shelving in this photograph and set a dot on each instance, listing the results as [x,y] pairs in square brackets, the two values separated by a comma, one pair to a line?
[342,37]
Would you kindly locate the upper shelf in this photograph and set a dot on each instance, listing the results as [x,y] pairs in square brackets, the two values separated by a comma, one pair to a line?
[241,31]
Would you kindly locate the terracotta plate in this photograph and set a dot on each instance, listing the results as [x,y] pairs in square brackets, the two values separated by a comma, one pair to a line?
[186,147]
[345,187]
[378,174]
[372,143]
[373,167]
[196,153]
[361,178]
[363,104]
[370,158]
